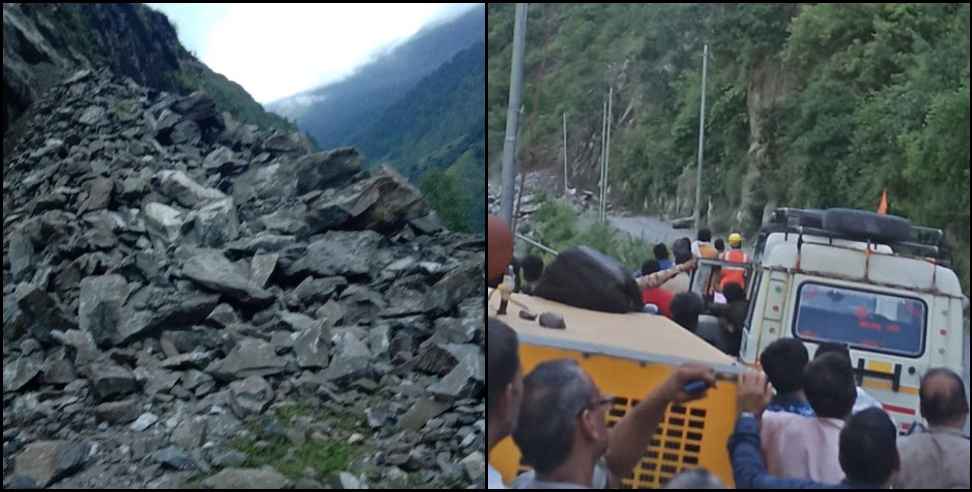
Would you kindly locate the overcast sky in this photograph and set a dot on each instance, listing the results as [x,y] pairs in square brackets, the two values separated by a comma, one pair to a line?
[277,50]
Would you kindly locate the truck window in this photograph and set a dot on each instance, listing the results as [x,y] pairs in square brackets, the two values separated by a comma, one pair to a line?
[864,320]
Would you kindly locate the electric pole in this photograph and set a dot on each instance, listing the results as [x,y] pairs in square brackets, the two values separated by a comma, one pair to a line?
[516,89]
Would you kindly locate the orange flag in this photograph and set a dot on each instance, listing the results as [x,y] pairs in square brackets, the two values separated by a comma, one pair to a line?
[883,207]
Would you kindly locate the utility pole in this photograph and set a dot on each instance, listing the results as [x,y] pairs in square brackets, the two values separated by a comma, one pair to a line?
[565,153]
[698,182]
[600,205]
[516,89]
[607,152]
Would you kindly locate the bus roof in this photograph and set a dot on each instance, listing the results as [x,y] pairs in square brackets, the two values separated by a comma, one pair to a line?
[635,336]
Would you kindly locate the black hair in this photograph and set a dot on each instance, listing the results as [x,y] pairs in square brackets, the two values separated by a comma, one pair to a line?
[649,267]
[833,348]
[682,249]
[661,252]
[705,235]
[942,407]
[553,395]
[532,268]
[686,308]
[734,292]
[868,448]
[828,382]
[720,245]
[784,362]
[502,360]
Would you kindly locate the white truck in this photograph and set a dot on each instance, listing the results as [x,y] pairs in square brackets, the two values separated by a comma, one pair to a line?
[873,282]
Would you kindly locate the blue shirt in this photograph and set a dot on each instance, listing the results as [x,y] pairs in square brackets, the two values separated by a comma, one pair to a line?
[749,470]
[790,405]
[666,264]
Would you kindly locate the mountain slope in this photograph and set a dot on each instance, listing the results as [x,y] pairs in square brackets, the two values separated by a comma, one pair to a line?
[45,43]
[436,122]
[435,135]
[335,114]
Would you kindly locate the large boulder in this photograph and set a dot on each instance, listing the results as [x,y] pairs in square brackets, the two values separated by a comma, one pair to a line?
[319,290]
[465,380]
[163,222]
[111,382]
[457,285]
[326,169]
[21,256]
[43,312]
[250,357]
[179,187]
[99,194]
[283,143]
[265,478]
[352,359]
[223,160]
[100,307]
[250,396]
[384,202]
[46,462]
[213,271]
[338,253]
[311,346]
[197,107]
[215,224]
[20,373]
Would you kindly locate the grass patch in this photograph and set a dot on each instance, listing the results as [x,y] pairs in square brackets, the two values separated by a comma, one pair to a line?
[557,226]
[324,458]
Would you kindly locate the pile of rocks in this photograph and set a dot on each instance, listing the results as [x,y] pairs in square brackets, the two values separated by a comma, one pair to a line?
[170,273]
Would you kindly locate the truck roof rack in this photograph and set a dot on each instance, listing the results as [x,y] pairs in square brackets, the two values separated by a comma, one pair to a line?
[923,242]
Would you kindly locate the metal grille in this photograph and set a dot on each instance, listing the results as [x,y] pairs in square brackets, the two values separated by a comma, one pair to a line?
[676,445]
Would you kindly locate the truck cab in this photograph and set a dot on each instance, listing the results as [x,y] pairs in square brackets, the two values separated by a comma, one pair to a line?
[873,282]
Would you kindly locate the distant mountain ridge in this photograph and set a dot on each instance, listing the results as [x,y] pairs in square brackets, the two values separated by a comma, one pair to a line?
[336,113]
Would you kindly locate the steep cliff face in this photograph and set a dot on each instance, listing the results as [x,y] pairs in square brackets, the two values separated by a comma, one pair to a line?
[44,43]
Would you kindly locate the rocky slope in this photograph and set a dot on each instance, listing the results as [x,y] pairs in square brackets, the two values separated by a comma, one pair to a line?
[44,43]
[192,300]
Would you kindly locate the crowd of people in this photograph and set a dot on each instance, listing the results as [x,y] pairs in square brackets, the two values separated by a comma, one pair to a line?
[800,424]
[665,280]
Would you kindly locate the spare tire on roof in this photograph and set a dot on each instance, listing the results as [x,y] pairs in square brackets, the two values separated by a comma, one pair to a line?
[584,278]
[862,225]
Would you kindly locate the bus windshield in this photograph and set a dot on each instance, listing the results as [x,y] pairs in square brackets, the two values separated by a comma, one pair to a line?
[861,319]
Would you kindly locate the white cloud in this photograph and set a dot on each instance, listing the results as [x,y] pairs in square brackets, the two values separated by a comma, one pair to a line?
[278,50]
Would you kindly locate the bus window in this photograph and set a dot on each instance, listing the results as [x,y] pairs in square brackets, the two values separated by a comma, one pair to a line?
[864,320]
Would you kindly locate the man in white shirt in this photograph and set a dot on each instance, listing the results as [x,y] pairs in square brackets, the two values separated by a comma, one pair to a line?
[504,390]
[806,448]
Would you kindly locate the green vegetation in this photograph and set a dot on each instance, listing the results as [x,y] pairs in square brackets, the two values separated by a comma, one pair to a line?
[811,105]
[557,226]
[228,95]
[290,459]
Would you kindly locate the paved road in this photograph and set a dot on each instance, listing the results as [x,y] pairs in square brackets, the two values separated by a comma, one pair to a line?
[650,229]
